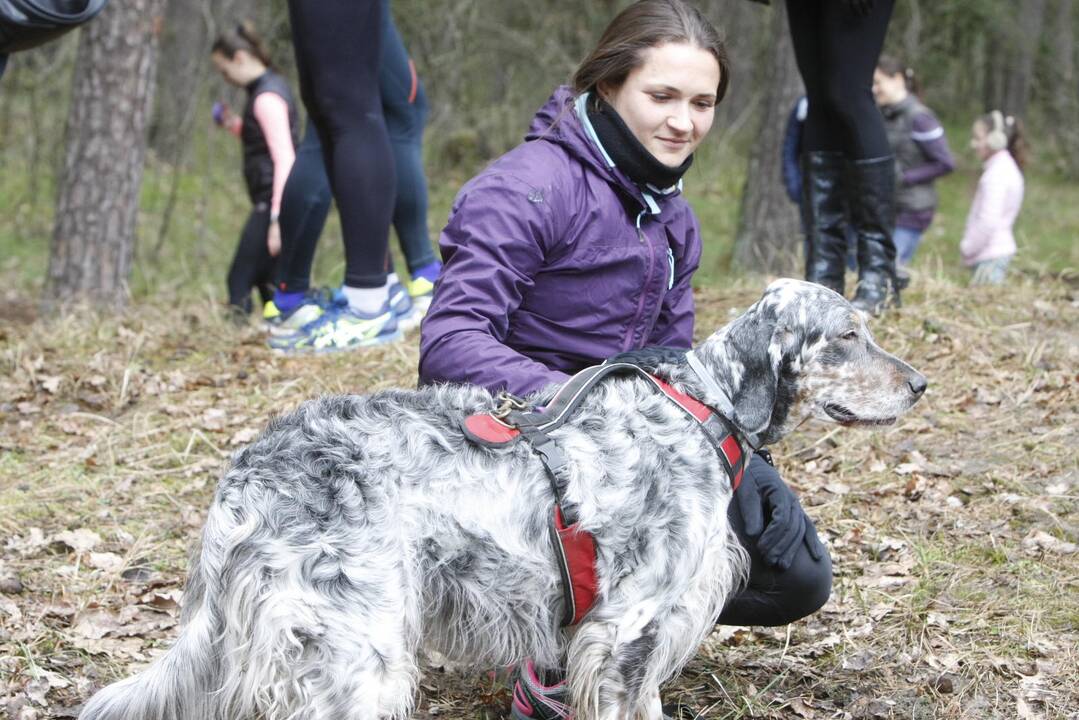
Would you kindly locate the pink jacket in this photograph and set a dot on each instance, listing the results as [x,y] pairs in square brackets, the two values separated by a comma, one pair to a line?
[988,234]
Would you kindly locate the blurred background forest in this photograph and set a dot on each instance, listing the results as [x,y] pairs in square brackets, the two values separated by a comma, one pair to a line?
[487,66]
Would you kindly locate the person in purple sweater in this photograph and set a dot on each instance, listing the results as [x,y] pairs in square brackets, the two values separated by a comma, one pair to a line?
[921,155]
[578,245]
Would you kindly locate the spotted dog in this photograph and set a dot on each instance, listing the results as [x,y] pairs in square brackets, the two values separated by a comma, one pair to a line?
[358,531]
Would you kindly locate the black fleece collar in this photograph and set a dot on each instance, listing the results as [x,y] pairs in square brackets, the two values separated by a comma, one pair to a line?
[627,152]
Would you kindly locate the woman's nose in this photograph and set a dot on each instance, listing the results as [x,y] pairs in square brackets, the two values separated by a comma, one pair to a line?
[679,120]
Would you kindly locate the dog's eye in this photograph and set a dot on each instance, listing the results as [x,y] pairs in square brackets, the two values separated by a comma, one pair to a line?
[850,335]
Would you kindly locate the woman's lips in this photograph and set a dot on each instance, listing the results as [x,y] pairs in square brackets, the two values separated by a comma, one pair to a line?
[672,143]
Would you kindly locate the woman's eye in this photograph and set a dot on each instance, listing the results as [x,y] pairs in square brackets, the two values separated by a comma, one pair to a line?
[704,105]
[659,97]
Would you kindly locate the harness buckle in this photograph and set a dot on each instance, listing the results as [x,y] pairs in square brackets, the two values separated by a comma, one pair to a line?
[507,403]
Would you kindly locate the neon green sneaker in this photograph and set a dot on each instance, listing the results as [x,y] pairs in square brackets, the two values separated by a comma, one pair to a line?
[279,323]
[341,329]
[421,290]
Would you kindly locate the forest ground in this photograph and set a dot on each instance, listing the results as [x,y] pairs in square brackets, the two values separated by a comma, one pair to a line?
[953,533]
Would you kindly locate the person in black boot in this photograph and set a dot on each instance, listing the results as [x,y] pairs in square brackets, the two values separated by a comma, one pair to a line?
[849,169]
[872,213]
[824,217]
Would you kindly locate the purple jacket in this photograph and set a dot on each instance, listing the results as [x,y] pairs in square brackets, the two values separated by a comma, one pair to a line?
[554,260]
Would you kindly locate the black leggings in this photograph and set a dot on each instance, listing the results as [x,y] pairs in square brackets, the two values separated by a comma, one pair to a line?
[775,597]
[837,51]
[307,195]
[252,266]
[404,104]
[305,203]
[338,46]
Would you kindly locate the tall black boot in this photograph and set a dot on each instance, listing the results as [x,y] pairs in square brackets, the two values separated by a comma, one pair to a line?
[871,186]
[824,219]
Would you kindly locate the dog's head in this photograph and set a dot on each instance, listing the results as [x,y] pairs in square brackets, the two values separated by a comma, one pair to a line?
[803,351]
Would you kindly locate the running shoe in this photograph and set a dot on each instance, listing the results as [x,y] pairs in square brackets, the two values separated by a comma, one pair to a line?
[315,302]
[534,699]
[341,329]
[408,317]
[421,290]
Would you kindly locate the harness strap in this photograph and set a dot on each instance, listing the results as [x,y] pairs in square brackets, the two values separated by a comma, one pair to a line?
[576,551]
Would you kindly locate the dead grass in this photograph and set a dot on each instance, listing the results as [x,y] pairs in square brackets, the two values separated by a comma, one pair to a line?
[952,533]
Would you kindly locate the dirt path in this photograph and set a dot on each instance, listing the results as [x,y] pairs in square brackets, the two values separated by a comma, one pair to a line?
[953,533]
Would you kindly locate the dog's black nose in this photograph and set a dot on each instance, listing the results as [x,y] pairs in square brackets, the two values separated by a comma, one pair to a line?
[917,384]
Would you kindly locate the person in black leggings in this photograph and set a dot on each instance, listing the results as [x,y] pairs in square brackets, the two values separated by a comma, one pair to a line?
[307,198]
[849,168]
[266,129]
[338,47]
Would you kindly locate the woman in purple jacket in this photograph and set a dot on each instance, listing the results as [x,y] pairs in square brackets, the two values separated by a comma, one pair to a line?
[578,245]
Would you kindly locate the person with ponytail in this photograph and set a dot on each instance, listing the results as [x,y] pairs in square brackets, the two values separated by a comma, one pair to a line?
[267,128]
[578,245]
[988,243]
[921,155]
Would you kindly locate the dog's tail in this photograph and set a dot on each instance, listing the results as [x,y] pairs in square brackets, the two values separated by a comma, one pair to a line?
[178,685]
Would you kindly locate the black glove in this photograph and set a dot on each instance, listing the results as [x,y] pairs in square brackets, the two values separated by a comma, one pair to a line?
[765,495]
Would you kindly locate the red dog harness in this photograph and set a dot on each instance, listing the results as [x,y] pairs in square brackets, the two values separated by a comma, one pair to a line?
[575,548]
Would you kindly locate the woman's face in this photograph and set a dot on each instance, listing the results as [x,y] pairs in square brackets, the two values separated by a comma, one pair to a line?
[236,70]
[669,101]
[888,89]
[978,140]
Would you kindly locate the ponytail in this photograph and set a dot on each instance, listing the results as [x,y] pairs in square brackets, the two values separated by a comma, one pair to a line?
[245,38]
[1017,141]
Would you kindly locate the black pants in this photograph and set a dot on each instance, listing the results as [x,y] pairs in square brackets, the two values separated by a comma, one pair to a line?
[404,104]
[305,203]
[338,47]
[252,266]
[837,51]
[773,597]
[306,200]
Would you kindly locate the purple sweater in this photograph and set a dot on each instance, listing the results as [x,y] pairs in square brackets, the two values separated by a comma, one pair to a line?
[554,260]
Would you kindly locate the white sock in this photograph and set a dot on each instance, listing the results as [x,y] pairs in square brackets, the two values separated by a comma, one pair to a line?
[366,300]
[392,279]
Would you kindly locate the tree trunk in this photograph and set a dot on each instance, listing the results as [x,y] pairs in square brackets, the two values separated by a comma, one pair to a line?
[768,226]
[1064,93]
[98,197]
[1021,68]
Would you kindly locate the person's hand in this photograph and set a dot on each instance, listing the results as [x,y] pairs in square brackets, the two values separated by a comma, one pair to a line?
[772,514]
[220,113]
[225,118]
[273,239]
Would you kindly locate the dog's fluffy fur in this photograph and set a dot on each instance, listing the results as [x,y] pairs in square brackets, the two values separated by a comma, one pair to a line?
[357,531]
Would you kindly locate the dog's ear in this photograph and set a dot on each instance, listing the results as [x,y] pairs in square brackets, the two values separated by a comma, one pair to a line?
[762,342]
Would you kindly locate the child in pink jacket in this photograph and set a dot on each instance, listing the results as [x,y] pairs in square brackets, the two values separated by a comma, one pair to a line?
[988,242]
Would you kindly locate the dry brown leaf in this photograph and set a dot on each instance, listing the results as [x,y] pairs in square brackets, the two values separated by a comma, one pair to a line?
[107,561]
[81,540]
[50,383]
[96,624]
[1041,540]
[243,436]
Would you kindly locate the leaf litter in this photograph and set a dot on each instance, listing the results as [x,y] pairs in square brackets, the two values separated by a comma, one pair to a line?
[953,534]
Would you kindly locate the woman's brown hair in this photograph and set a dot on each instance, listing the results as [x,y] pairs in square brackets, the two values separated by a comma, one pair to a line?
[644,25]
[245,38]
[891,66]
